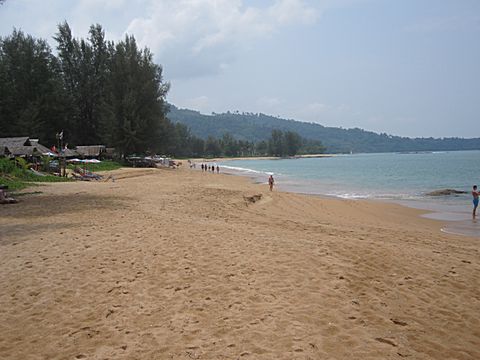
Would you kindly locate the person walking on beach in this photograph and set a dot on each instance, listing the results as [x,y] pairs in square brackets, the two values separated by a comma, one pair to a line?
[218,169]
[270,182]
[475,194]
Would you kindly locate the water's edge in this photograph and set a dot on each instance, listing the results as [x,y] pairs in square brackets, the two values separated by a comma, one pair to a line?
[455,220]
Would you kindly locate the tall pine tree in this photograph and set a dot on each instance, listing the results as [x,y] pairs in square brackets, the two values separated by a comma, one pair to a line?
[31,96]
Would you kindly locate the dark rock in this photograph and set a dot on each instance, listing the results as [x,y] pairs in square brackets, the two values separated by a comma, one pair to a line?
[445,192]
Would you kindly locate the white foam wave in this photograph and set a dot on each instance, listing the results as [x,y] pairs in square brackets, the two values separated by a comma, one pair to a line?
[377,196]
[246,170]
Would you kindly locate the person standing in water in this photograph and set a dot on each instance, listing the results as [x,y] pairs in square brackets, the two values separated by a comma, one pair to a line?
[271,182]
[475,194]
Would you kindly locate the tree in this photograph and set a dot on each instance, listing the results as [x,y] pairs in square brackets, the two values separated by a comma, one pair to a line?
[311,147]
[180,141]
[261,148]
[84,65]
[31,93]
[276,143]
[229,145]
[137,98]
[212,147]
[293,142]
[198,147]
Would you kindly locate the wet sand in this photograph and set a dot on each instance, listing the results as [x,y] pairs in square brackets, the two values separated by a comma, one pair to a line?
[179,264]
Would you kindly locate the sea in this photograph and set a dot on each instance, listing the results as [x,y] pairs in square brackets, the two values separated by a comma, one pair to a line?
[405,178]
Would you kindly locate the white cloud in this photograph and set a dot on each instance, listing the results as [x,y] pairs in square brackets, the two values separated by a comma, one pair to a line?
[206,34]
[191,38]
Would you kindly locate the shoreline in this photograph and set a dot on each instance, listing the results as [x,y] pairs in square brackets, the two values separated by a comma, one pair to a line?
[175,263]
[458,222]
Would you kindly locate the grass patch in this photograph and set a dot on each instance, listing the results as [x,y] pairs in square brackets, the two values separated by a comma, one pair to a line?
[105,165]
[12,183]
[16,175]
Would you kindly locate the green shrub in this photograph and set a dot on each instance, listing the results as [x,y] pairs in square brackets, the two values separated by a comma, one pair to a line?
[16,175]
[6,166]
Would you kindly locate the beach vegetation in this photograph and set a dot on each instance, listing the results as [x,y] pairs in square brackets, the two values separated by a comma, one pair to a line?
[94,91]
[106,165]
[15,173]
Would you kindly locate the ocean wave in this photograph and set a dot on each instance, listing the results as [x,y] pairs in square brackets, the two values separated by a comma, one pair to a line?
[373,196]
[246,170]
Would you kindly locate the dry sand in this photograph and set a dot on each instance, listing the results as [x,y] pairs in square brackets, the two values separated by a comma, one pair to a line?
[179,264]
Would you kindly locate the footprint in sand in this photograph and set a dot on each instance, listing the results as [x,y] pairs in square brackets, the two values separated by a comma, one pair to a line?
[398,322]
[386,341]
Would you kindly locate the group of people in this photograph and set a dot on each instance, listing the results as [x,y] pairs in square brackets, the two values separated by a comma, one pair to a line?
[212,168]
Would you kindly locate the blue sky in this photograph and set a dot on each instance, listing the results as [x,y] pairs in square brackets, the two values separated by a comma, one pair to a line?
[406,67]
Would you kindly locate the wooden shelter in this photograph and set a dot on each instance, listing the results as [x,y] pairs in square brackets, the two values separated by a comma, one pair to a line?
[69,153]
[91,151]
[22,146]
[4,151]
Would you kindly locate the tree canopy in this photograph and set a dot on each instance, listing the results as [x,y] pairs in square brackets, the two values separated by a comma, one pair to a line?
[98,92]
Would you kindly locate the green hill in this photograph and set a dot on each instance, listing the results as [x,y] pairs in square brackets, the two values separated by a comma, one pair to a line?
[257,127]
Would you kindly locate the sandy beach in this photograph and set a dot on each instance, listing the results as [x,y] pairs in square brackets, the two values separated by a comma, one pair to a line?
[180,264]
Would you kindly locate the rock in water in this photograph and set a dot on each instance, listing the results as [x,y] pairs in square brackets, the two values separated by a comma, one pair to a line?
[445,192]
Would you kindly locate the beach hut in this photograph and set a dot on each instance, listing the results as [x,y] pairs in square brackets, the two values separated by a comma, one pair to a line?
[69,153]
[91,151]
[109,153]
[4,151]
[43,150]
[23,147]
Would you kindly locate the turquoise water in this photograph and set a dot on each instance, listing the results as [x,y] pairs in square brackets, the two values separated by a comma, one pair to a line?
[398,177]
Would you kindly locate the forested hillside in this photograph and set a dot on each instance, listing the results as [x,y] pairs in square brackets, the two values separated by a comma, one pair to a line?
[258,127]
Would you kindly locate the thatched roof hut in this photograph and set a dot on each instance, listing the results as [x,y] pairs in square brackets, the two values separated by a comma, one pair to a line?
[22,146]
[4,151]
[91,150]
[40,148]
[15,141]
[69,153]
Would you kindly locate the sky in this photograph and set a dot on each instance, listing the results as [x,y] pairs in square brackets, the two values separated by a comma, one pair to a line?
[403,67]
